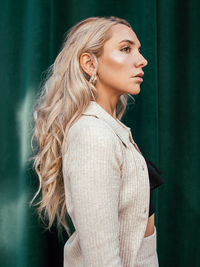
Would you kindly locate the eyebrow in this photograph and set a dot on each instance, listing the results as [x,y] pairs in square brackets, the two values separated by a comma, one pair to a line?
[129,41]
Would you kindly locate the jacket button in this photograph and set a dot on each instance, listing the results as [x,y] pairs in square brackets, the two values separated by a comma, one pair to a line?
[145,210]
[143,168]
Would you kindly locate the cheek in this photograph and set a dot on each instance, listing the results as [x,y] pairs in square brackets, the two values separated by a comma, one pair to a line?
[117,60]
[114,65]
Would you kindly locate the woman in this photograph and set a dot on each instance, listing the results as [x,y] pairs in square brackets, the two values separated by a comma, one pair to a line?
[88,164]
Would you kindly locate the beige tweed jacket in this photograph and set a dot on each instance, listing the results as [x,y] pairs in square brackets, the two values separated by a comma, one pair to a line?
[107,192]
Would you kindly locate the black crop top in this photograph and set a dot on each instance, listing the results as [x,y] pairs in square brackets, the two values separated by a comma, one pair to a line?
[155,180]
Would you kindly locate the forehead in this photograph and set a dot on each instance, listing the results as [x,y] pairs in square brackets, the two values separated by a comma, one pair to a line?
[121,32]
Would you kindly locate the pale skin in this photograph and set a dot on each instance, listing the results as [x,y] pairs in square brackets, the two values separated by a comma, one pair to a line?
[119,62]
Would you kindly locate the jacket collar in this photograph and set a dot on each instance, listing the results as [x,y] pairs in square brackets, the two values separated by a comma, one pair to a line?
[123,132]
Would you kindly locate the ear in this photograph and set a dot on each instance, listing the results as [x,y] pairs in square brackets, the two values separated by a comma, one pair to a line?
[87,63]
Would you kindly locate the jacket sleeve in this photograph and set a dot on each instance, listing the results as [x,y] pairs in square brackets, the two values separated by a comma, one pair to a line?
[92,165]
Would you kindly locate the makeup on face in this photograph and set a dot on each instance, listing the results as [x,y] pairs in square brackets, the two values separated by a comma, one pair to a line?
[121,62]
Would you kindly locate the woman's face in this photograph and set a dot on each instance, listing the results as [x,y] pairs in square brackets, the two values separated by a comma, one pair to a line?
[120,62]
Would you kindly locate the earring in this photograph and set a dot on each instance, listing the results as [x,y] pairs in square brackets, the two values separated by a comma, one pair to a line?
[93,79]
[92,83]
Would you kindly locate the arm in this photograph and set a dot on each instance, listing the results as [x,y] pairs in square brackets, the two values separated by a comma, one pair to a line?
[93,168]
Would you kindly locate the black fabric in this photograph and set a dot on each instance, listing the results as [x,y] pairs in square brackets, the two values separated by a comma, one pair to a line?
[155,180]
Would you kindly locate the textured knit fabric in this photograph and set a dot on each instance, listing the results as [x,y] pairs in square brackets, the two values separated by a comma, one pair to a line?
[107,192]
[147,255]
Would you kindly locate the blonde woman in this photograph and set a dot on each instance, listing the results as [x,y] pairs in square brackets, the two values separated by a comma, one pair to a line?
[88,164]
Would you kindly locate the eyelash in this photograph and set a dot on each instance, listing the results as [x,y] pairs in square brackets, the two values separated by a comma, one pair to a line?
[125,47]
[129,48]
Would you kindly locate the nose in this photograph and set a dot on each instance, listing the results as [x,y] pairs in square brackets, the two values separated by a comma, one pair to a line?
[145,62]
[141,61]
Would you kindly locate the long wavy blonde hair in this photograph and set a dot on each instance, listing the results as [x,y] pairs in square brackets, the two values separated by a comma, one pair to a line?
[66,92]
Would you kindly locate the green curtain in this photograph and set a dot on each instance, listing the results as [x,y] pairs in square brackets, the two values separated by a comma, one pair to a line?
[164,120]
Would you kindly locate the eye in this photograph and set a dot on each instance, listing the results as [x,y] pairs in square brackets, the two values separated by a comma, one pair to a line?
[126,48]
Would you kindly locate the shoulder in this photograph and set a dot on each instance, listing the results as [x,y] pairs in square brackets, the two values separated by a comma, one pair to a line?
[91,127]
[90,133]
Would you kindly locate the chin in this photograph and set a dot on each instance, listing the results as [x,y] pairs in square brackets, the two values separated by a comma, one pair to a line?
[135,91]
[132,91]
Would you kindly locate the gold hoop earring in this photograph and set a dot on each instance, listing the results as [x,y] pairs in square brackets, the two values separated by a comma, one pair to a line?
[93,79]
[92,83]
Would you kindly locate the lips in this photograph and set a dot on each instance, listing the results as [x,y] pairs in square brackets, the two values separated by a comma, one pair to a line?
[141,74]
